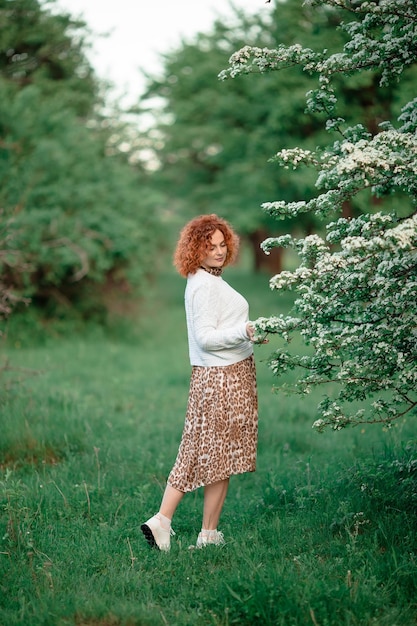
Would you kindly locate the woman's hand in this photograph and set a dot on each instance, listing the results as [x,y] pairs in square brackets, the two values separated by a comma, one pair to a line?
[250,331]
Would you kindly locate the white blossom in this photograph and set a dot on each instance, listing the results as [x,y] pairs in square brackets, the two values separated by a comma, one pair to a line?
[356,288]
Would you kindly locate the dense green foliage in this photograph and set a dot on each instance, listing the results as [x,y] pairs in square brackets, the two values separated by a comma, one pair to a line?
[79,216]
[324,532]
[37,47]
[356,284]
[214,140]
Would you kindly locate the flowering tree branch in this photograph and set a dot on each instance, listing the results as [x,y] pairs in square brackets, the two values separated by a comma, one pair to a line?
[356,286]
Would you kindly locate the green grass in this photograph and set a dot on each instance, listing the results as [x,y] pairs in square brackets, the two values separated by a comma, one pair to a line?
[324,533]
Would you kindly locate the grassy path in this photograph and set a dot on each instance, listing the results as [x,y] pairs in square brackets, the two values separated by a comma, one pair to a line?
[324,533]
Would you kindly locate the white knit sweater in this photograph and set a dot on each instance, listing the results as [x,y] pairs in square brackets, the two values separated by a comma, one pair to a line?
[216,321]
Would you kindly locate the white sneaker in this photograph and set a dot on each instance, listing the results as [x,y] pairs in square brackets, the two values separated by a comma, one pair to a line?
[156,535]
[210,537]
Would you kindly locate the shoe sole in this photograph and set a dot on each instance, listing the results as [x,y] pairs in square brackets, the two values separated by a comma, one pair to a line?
[149,536]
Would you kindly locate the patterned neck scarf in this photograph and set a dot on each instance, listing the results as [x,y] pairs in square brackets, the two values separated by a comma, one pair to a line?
[216,271]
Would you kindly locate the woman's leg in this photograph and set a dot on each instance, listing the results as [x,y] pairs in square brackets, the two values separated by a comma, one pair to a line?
[214,497]
[157,529]
[171,499]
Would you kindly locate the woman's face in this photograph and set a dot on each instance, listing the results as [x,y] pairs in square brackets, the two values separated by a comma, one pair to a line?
[216,251]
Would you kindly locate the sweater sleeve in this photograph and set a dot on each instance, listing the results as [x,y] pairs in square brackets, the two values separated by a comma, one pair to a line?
[205,313]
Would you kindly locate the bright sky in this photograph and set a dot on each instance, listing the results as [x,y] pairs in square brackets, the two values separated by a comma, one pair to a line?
[140,30]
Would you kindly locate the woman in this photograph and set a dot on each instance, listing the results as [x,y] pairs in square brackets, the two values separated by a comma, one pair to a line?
[221,425]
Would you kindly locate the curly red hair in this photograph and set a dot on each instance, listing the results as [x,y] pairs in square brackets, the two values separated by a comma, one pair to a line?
[195,239]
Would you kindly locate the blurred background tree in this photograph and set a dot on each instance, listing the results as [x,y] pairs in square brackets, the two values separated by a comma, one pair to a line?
[214,140]
[38,47]
[80,213]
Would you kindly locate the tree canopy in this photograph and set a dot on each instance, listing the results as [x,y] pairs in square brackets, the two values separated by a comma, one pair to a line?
[356,286]
[78,212]
[214,139]
[49,50]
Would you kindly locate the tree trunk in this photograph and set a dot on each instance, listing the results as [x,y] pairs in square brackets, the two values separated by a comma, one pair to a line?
[272,263]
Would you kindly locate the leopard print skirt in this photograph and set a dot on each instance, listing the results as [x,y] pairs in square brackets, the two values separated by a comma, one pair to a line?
[220,433]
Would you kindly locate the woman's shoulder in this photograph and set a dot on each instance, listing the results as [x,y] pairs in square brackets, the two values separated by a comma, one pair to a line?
[203,282]
[200,277]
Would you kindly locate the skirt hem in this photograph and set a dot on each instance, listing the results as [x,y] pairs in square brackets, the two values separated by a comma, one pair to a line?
[211,482]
